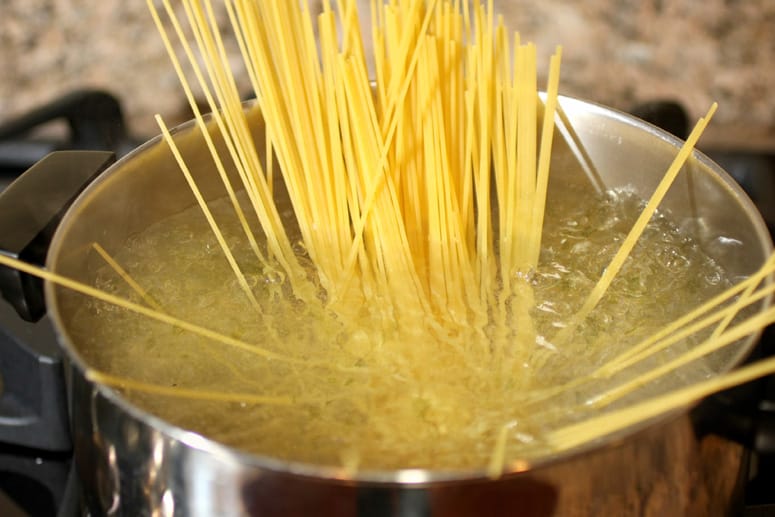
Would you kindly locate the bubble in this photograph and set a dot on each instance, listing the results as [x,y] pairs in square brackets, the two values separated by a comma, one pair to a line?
[672,258]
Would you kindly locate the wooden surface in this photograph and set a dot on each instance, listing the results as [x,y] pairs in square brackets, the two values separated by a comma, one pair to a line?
[665,471]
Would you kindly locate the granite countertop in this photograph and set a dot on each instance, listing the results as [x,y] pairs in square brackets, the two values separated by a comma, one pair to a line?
[616,52]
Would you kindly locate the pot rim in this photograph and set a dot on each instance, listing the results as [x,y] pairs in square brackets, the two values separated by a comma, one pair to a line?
[401,477]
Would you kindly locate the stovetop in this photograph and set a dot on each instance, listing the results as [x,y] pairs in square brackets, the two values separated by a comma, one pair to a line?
[34,481]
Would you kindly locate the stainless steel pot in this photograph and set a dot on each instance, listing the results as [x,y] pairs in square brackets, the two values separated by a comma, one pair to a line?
[133,463]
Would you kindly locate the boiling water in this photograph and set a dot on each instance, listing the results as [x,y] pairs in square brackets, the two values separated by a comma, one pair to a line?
[381,396]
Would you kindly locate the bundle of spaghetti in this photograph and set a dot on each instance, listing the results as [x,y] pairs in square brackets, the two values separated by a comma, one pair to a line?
[390,186]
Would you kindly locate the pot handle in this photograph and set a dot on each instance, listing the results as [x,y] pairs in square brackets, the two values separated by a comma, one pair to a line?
[30,210]
[33,408]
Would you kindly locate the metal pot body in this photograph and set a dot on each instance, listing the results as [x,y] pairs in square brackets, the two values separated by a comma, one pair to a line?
[133,463]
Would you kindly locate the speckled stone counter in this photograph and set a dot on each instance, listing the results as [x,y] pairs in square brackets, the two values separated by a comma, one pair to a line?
[617,52]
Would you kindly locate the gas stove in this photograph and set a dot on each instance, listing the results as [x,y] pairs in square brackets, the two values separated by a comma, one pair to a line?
[36,467]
